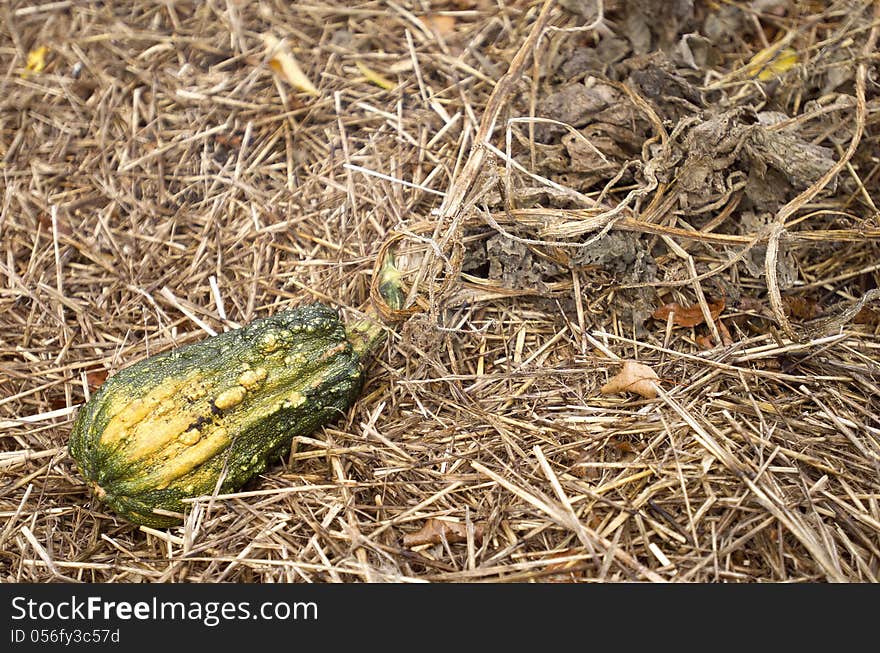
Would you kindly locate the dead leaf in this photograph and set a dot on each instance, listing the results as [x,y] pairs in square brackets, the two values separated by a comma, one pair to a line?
[63,227]
[36,61]
[96,378]
[57,403]
[708,341]
[724,332]
[436,531]
[771,62]
[633,377]
[751,305]
[868,316]
[801,308]
[283,63]
[566,571]
[800,162]
[374,77]
[623,446]
[440,23]
[233,141]
[690,316]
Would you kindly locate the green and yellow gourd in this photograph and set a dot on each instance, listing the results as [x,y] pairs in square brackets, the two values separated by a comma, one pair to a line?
[168,427]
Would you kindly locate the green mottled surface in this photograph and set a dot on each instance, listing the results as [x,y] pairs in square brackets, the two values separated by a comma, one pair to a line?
[313,375]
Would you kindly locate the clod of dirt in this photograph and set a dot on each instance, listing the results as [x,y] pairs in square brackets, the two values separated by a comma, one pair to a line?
[587,155]
[725,25]
[650,23]
[621,254]
[718,146]
[800,161]
[611,131]
[586,9]
[707,148]
[633,306]
[624,260]
[767,189]
[474,258]
[574,104]
[514,265]
[827,111]
[594,60]
[548,158]
[655,78]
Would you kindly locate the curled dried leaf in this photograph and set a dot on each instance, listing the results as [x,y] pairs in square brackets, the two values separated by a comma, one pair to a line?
[96,378]
[724,332]
[633,377]
[708,341]
[283,63]
[690,316]
[436,531]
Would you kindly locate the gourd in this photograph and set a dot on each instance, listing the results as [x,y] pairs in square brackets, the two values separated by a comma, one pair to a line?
[175,425]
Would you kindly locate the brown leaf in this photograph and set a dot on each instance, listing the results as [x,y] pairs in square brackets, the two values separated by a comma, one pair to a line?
[443,24]
[57,403]
[801,308]
[708,341]
[436,530]
[690,316]
[751,305]
[46,222]
[724,332]
[96,378]
[566,571]
[623,446]
[633,377]
[233,141]
[869,316]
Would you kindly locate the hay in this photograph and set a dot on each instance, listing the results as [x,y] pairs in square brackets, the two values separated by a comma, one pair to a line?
[161,183]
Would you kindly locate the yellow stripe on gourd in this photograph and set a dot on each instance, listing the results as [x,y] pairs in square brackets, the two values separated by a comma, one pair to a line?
[134,412]
[153,434]
[183,462]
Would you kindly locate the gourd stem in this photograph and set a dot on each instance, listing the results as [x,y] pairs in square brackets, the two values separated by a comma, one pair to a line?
[367,334]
